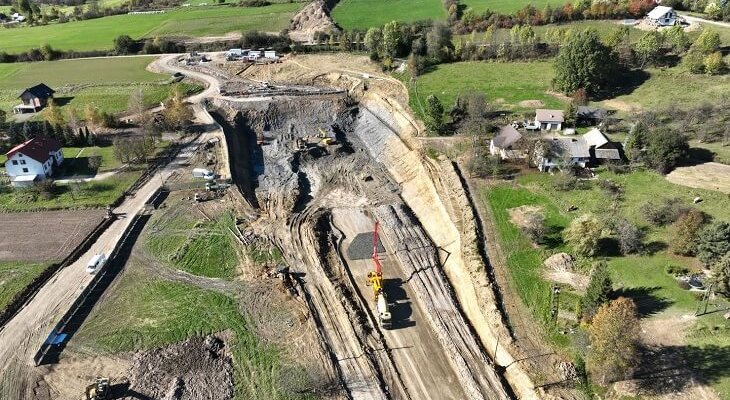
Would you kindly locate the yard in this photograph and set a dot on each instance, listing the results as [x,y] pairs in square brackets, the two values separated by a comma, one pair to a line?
[104,82]
[99,34]
[364,14]
[641,277]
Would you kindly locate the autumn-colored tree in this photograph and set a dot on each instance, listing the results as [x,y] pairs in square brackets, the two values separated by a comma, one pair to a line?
[583,234]
[685,232]
[614,336]
[54,115]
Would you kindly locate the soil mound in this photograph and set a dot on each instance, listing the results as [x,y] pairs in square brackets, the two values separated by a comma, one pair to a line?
[198,368]
[313,18]
[560,268]
[522,216]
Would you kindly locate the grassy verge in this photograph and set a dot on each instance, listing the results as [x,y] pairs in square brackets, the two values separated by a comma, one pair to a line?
[364,14]
[142,314]
[510,6]
[203,248]
[14,277]
[99,34]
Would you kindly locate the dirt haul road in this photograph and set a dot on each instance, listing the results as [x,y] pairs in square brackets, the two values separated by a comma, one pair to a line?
[23,335]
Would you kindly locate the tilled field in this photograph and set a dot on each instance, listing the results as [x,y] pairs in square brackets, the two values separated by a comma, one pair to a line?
[44,236]
[297,182]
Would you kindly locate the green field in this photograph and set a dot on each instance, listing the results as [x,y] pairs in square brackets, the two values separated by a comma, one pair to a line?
[108,160]
[364,14]
[15,277]
[104,82]
[505,84]
[99,34]
[144,313]
[510,6]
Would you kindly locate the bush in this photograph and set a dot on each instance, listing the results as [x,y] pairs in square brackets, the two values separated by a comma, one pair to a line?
[685,231]
[254,3]
[565,182]
[676,270]
[666,212]
[611,188]
[583,234]
[630,237]
[683,284]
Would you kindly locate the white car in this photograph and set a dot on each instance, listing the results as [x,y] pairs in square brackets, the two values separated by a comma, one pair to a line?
[95,263]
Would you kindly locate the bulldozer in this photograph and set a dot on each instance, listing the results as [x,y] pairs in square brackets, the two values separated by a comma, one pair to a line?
[375,280]
[98,390]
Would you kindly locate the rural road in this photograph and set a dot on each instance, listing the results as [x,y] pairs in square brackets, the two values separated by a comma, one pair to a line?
[23,335]
[705,21]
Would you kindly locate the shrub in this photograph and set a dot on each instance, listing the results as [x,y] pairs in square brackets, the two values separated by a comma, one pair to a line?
[630,237]
[583,234]
[666,212]
[676,270]
[565,181]
[685,231]
[611,188]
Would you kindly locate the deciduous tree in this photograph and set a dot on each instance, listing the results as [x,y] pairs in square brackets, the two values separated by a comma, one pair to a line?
[685,232]
[630,237]
[614,336]
[583,234]
[583,62]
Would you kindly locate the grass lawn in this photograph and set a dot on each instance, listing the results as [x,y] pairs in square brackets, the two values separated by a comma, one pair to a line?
[14,277]
[510,6]
[143,313]
[104,82]
[363,14]
[108,160]
[505,84]
[720,152]
[99,34]
[200,247]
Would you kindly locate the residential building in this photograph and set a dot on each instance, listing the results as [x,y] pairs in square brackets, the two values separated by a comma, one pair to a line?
[508,144]
[549,119]
[560,152]
[33,160]
[662,16]
[600,147]
[585,115]
[34,99]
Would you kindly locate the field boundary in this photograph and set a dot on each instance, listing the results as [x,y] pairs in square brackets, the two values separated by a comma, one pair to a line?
[27,294]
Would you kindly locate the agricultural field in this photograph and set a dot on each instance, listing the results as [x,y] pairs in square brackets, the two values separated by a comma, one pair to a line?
[526,89]
[364,14]
[104,82]
[641,277]
[99,34]
[510,6]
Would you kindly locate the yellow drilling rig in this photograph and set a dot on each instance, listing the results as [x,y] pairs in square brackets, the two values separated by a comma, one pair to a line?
[375,279]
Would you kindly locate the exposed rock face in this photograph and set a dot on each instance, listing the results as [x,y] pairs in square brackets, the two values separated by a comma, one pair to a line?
[313,18]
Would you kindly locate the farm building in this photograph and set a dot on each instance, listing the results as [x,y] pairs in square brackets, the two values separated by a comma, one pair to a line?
[662,16]
[34,99]
[590,115]
[549,119]
[600,147]
[507,144]
[560,152]
[33,160]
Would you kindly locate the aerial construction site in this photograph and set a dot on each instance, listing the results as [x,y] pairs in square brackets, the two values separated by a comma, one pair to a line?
[359,259]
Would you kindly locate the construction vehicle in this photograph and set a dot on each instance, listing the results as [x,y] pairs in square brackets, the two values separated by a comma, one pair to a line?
[375,279]
[327,138]
[98,390]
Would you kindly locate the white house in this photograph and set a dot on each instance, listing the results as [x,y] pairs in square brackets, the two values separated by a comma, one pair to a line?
[270,54]
[662,16]
[600,147]
[559,152]
[549,119]
[507,144]
[33,160]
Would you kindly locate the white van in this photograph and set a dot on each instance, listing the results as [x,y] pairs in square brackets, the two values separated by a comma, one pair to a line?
[95,263]
[203,173]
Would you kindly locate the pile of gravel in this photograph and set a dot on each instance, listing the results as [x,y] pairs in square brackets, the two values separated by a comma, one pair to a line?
[361,247]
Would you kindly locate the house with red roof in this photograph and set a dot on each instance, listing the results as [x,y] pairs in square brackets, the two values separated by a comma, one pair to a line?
[33,160]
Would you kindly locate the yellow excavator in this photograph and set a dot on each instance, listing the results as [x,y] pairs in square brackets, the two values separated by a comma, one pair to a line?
[326,138]
[98,390]
[375,279]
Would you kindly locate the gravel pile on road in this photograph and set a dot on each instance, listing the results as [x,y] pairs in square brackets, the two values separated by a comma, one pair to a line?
[198,368]
[361,247]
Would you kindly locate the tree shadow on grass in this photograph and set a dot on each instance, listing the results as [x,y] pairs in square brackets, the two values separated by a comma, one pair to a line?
[608,247]
[62,101]
[553,238]
[625,84]
[671,369]
[699,155]
[654,247]
[647,303]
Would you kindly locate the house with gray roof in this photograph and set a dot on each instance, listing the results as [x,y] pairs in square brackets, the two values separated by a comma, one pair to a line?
[508,144]
[662,16]
[34,99]
[549,120]
[585,115]
[600,147]
[560,152]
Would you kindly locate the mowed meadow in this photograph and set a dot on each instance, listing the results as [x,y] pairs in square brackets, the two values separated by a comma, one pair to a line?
[99,34]
[106,83]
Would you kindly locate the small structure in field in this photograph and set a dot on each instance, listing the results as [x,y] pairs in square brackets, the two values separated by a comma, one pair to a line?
[549,119]
[600,147]
[560,152]
[33,160]
[508,144]
[34,99]
[662,16]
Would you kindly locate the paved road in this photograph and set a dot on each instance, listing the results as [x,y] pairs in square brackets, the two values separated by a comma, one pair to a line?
[22,336]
